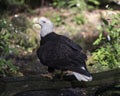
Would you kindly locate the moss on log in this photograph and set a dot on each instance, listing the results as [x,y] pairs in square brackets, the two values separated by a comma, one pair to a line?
[10,86]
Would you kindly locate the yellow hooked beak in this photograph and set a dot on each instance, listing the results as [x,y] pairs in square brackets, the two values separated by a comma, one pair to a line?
[37,26]
[36,23]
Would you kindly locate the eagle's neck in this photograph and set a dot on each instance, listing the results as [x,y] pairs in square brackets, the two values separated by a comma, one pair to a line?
[45,31]
[49,37]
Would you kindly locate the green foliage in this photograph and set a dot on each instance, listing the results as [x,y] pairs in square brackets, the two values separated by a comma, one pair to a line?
[95,2]
[79,19]
[6,66]
[20,23]
[15,2]
[60,3]
[21,34]
[15,35]
[98,41]
[92,4]
[107,56]
[83,4]
[4,38]
[79,4]
[58,20]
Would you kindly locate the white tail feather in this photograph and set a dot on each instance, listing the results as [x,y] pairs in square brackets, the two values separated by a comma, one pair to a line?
[81,77]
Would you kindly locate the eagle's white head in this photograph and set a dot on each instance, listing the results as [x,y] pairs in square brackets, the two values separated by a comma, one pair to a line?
[46,26]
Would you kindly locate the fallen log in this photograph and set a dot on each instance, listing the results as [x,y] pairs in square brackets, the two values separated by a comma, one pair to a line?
[9,86]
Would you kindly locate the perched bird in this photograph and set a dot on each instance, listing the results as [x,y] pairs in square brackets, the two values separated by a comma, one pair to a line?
[59,52]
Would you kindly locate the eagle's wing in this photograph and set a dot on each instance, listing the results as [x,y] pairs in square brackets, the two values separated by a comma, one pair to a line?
[73,45]
[70,43]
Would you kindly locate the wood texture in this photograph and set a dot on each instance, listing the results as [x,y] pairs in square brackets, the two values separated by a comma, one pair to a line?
[10,86]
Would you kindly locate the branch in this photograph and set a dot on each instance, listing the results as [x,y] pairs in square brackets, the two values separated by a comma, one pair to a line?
[10,86]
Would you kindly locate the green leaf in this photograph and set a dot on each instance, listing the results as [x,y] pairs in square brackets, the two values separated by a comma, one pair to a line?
[98,40]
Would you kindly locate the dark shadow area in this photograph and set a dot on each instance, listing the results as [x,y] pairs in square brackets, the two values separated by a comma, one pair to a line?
[21,6]
[62,92]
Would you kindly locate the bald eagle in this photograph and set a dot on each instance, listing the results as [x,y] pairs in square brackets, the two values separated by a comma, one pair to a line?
[59,52]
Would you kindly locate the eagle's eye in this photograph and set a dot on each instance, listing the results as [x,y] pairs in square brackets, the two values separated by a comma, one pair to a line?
[43,21]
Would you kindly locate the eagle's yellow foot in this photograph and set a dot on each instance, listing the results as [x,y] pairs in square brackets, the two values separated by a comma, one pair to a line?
[62,74]
[67,73]
[49,75]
